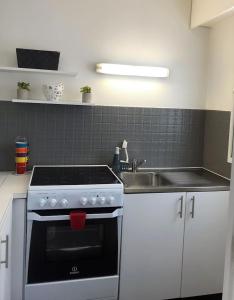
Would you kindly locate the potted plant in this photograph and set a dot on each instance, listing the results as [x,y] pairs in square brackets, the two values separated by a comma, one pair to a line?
[86,94]
[23,90]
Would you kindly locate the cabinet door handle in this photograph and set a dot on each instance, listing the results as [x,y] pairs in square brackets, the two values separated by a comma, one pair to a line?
[193,207]
[6,261]
[181,207]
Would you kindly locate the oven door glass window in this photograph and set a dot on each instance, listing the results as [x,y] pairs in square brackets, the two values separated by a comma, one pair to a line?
[59,253]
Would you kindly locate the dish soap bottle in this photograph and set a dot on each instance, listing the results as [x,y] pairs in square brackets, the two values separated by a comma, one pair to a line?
[116,161]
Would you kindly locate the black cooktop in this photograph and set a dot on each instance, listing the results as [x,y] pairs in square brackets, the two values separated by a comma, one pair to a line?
[74,175]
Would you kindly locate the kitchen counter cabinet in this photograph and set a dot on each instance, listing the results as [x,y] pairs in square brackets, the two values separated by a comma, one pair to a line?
[11,187]
[169,253]
[204,243]
[5,255]
[152,244]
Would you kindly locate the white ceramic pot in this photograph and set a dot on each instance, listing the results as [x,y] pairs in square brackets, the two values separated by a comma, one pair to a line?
[22,94]
[53,92]
[86,97]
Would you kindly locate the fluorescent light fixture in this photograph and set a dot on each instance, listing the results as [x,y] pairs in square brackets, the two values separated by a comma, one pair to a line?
[128,70]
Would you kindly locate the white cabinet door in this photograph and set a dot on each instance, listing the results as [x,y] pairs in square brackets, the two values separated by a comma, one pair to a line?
[152,246]
[5,256]
[204,243]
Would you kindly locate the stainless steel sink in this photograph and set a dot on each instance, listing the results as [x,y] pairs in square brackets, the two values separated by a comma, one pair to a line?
[138,179]
[142,180]
[154,180]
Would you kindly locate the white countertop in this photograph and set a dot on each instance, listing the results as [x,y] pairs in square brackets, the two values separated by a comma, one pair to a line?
[3,176]
[12,186]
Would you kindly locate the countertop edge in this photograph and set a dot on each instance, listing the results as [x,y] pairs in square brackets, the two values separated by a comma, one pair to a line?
[176,189]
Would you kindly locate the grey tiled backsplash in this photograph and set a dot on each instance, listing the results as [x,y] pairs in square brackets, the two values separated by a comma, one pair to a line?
[61,134]
[216,142]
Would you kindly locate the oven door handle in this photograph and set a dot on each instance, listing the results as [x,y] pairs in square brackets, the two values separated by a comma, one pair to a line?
[32,216]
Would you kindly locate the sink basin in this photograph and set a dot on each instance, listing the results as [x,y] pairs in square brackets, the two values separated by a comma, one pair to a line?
[142,179]
[138,179]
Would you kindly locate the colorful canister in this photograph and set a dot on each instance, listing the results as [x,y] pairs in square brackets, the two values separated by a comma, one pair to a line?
[21,154]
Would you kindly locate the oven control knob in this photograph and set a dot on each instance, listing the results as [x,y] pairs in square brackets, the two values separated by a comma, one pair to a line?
[43,202]
[64,202]
[83,201]
[93,200]
[53,202]
[110,200]
[102,200]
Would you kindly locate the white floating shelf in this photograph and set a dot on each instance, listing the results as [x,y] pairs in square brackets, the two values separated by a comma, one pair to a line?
[51,102]
[40,71]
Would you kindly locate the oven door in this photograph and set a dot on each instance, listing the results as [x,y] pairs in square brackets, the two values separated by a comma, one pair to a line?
[55,252]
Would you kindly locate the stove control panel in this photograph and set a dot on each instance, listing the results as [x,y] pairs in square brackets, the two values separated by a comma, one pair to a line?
[42,200]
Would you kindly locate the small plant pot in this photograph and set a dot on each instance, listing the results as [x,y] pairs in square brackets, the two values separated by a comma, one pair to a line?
[86,97]
[22,94]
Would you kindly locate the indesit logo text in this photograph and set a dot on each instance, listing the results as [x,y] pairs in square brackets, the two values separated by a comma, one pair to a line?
[74,270]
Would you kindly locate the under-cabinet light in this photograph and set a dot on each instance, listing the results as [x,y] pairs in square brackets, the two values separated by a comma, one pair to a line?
[128,70]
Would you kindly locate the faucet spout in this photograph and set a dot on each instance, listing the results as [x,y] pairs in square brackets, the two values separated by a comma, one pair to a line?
[136,164]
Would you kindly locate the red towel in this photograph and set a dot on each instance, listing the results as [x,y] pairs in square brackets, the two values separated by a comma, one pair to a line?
[77,219]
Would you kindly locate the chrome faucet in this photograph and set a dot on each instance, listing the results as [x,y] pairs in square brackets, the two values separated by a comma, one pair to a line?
[136,164]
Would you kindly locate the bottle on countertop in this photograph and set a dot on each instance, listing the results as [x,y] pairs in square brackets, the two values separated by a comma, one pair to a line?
[116,161]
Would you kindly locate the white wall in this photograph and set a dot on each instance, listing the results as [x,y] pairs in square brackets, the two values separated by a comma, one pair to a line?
[220,73]
[205,11]
[141,32]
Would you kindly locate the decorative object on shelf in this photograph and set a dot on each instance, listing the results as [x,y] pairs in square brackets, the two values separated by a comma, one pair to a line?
[21,154]
[37,59]
[128,70]
[23,90]
[53,92]
[86,94]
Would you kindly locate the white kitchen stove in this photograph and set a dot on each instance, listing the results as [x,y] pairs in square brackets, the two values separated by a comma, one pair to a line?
[59,187]
[74,225]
